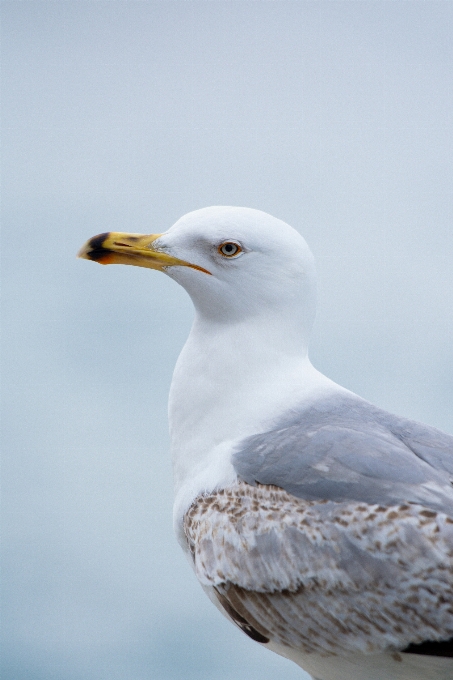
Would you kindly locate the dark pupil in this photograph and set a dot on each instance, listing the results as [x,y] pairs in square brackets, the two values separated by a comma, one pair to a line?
[229,248]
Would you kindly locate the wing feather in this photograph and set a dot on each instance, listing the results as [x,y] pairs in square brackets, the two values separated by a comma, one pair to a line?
[323,576]
[344,448]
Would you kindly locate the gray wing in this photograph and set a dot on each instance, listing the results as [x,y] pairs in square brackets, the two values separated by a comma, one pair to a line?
[344,448]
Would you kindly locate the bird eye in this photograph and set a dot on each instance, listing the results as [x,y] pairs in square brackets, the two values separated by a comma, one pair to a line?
[229,249]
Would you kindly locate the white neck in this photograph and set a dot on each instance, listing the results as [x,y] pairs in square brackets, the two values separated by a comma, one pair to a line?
[220,393]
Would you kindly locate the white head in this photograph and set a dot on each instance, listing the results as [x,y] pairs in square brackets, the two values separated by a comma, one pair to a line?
[261,268]
[237,264]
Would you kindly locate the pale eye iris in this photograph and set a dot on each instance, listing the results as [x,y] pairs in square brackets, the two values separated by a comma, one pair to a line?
[229,249]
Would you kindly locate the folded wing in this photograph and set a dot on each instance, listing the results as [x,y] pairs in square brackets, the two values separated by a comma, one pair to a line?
[326,577]
[344,448]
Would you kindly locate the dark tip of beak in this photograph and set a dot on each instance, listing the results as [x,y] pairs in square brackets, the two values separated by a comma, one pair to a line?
[98,252]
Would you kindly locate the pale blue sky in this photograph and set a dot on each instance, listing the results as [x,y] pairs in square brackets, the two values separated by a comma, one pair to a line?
[333,116]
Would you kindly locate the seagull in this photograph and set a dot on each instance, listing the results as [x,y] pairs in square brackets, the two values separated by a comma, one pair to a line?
[319,524]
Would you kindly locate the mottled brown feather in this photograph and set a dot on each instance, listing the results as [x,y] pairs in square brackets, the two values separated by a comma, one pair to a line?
[324,577]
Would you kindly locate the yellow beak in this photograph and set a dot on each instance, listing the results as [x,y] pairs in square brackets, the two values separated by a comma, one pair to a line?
[136,249]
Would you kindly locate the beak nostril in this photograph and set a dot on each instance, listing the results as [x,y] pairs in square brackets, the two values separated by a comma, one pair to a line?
[126,245]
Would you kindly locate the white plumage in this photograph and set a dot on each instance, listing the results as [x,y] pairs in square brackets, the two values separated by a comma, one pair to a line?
[318,523]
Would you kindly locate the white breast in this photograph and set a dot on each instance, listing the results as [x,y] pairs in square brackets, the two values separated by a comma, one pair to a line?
[229,384]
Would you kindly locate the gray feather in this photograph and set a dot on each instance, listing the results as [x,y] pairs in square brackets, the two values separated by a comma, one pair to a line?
[344,448]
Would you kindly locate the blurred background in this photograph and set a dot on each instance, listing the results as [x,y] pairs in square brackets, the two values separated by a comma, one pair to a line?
[333,116]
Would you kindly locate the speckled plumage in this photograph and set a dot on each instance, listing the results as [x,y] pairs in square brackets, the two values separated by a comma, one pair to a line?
[326,577]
